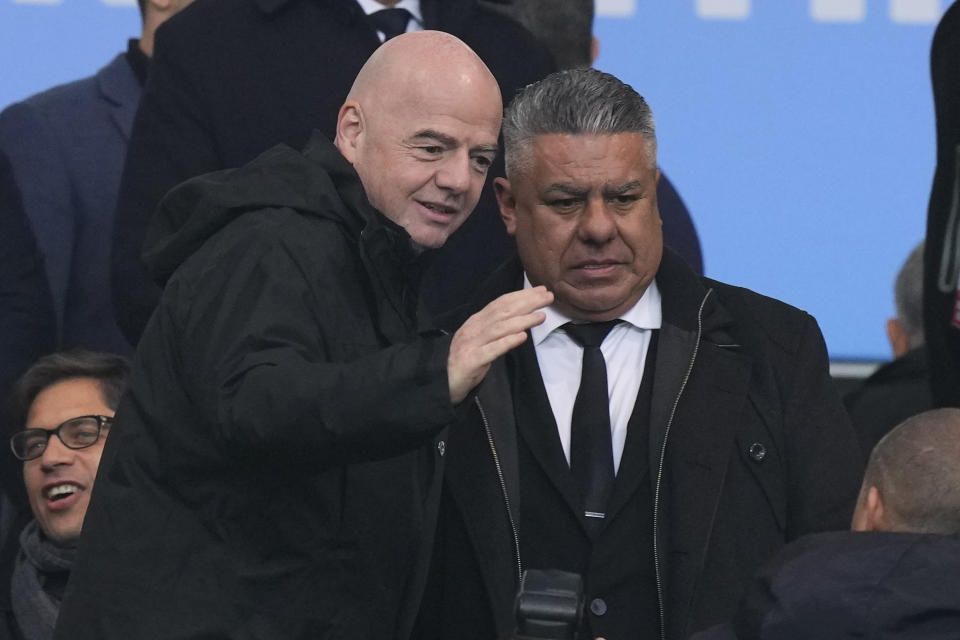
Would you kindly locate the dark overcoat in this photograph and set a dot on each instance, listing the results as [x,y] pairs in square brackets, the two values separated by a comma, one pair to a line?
[749,448]
[272,472]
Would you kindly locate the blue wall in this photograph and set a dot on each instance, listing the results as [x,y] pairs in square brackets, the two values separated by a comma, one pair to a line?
[803,147]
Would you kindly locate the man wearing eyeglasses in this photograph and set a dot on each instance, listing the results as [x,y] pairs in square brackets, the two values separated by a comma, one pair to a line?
[66,403]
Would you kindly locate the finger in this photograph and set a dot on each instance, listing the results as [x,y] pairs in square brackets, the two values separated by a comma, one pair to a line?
[519,302]
[493,350]
[487,332]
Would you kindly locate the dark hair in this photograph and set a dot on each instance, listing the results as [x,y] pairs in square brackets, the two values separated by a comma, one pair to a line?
[110,370]
[564,27]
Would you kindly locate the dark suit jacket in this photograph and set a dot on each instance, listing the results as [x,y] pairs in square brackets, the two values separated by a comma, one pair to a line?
[231,78]
[67,146]
[896,391]
[27,331]
[748,439]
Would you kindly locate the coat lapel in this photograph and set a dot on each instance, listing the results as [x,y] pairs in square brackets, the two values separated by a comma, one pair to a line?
[538,428]
[120,89]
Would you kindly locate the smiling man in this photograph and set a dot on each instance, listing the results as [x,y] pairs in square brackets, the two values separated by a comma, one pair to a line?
[67,401]
[275,471]
[661,434]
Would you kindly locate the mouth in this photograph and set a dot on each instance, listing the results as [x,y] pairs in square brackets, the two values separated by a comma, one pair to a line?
[438,210]
[597,267]
[61,492]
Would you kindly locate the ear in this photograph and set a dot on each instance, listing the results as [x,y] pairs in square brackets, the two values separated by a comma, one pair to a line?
[899,340]
[350,127]
[508,204]
[869,514]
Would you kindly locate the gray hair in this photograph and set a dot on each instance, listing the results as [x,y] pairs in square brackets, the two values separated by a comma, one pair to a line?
[916,469]
[574,101]
[908,297]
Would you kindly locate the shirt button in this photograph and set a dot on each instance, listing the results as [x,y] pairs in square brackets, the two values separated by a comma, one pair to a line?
[757,451]
[598,607]
[441,447]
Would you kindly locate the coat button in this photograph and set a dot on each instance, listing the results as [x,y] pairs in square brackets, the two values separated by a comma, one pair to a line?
[757,451]
[598,607]
[441,447]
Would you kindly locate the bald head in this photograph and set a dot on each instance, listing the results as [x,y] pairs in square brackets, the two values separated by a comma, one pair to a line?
[420,127]
[912,482]
[414,61]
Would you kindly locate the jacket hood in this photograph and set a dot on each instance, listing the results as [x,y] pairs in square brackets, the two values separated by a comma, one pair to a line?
[317,182]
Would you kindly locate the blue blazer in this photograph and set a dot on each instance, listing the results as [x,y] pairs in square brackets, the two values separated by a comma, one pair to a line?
[66,146]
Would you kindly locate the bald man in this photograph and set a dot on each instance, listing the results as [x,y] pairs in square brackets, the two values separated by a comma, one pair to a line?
[896,575]
[274,472]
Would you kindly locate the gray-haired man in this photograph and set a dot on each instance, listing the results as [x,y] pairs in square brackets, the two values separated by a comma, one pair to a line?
[724,438]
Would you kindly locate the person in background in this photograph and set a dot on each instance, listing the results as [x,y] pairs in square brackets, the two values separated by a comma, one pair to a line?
[901,388]
[232,78]
[66,146]
[896,575]
[66,403]
[27,331]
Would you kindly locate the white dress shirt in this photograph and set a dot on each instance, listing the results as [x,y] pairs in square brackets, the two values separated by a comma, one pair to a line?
[624,351]
[413,6]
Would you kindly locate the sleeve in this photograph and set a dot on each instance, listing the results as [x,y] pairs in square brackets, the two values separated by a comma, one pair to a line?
[256,352]
[825,465]
[40,173]
[170,142]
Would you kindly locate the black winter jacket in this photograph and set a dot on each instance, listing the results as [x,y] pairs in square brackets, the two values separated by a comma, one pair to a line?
[232,78]
[272,472]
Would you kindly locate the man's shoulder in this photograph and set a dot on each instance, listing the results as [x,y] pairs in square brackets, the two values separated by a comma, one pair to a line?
[59,108]
[778,321]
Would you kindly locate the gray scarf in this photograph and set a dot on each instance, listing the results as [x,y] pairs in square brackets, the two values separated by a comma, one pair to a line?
[35,609]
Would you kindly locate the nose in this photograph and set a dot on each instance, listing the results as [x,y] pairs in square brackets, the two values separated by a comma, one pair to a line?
[454,174]
[596,224]
[55,454]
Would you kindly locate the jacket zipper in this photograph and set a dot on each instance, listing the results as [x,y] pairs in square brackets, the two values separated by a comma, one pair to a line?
[503,488]
[663,451]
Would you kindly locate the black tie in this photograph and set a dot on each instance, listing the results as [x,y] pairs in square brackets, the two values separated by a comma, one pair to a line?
[591,447]
[391,22]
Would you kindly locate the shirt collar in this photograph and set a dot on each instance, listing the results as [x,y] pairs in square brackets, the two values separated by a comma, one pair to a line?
[413,6]
[645,314]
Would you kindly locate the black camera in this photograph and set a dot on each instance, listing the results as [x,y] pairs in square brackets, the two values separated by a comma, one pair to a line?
[549,604]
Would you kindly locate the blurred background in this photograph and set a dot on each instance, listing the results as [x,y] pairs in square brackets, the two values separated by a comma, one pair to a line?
[800,133]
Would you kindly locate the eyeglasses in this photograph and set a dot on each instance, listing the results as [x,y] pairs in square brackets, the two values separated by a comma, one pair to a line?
[75,433]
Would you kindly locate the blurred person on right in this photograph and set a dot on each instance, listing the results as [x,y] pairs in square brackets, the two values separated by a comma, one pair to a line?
[896,576]
[901,388]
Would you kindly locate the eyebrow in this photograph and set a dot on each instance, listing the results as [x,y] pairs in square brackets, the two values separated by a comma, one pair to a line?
[442,138]
[566,189]
[614,190]
[450,141]
[621,189]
